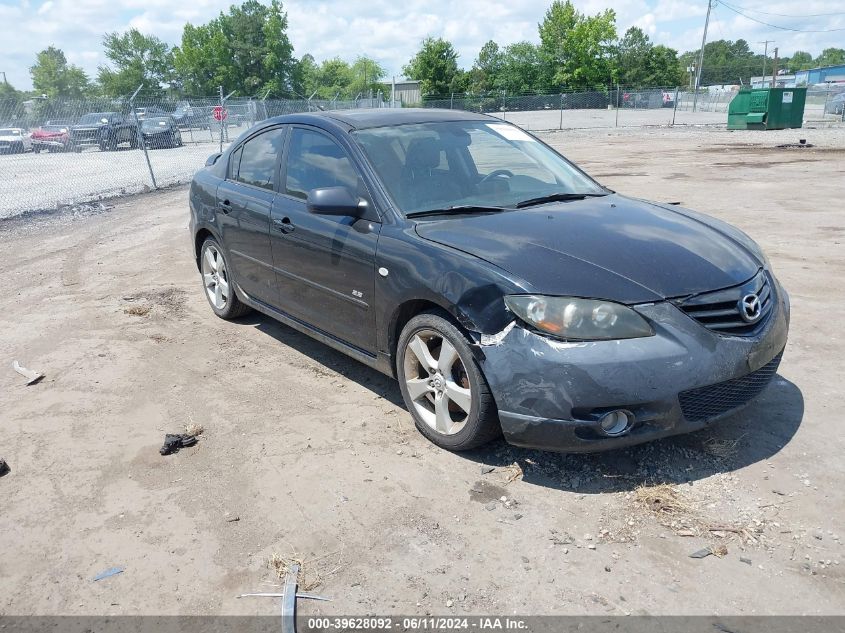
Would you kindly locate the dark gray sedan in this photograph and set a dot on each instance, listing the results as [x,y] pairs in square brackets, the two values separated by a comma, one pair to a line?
[506,290]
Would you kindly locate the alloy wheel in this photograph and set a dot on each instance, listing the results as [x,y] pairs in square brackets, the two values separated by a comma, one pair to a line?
[215,277]
[437,382]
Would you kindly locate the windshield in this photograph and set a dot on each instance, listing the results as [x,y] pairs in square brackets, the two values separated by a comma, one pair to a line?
[96,117]
[10,132]
[432,166]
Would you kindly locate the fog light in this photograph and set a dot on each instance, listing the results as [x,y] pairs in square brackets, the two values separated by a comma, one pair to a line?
[616,423]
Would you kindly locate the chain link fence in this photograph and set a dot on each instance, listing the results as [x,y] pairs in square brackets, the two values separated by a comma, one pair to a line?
[620,107]
[56,154]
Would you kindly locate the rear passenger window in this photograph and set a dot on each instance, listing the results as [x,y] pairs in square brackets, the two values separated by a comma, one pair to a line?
[316,161]
[257,165]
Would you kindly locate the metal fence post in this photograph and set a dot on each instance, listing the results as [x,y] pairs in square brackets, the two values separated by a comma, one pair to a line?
[140,136]
[504,106]
[222,109]
[618,90]
[452,102]
[560,125]
[675,105]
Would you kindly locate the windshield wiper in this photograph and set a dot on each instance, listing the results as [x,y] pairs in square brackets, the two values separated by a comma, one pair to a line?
[459,209]
[557,197]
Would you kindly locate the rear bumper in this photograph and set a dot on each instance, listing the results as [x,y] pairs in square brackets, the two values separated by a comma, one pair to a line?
[551,394]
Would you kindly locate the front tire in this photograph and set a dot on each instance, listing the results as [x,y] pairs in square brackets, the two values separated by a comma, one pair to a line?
[443,386]
[218,284]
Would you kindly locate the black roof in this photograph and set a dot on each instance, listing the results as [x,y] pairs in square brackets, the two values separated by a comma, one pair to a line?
[382,117]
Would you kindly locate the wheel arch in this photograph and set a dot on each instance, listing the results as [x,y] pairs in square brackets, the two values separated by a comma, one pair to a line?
[406,311]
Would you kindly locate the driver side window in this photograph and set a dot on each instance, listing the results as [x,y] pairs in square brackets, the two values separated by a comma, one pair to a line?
[316,161]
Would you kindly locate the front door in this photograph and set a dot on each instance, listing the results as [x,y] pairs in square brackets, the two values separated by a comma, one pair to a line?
[324,264]
[244,201]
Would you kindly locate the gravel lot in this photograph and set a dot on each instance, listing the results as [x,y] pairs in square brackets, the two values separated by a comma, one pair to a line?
[316,458]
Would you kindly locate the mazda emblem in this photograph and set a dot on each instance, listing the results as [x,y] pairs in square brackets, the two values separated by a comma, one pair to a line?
[750,308]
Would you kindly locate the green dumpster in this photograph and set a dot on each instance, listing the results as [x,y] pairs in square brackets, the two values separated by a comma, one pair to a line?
[767,109]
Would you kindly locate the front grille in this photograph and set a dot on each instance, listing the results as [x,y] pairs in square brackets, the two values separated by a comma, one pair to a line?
[708,402]
[719,310]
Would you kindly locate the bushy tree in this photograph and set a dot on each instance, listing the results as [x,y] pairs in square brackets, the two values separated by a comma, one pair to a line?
[725,62]
[577,51]
[485,71]
[246,50]
[831,57]
[135,59]
[800,60]
[520,69]
[435,65]
[54,77]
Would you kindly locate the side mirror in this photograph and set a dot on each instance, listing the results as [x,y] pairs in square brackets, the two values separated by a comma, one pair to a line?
[333,201]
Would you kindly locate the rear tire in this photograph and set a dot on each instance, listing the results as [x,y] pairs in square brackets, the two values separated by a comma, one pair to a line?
[218,284]
[443,387]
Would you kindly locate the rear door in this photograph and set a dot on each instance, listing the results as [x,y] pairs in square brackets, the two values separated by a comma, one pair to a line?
[324,264]
[244,201]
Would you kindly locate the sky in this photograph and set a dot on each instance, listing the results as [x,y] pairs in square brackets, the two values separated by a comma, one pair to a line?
[391,31]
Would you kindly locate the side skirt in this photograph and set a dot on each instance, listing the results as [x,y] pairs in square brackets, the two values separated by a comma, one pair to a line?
[379,362]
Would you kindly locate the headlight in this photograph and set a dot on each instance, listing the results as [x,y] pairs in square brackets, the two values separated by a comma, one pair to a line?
[581,319]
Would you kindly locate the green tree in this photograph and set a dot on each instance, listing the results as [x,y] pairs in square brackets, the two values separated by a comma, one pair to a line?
[366,76]
[54,77]
[800,60]
[246,50]
[435,65]
[632,57]
[520,68]
[485,70]
[135,59]
[8,94]
[663,67]
[577,51]
[831,57]
[726,62]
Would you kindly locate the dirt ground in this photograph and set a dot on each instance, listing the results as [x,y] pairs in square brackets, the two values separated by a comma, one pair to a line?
[307,455]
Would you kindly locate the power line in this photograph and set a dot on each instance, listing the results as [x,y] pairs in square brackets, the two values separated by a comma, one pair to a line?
[791,15]
[775,26]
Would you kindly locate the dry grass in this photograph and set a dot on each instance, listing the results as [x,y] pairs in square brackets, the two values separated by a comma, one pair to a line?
[139,311]
[723,448]
[662,499]
[193,429]
[312,572]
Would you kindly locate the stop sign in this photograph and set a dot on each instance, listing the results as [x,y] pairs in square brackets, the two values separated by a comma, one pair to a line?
[220,113]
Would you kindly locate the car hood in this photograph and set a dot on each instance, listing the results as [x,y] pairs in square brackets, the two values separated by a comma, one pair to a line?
[611,247]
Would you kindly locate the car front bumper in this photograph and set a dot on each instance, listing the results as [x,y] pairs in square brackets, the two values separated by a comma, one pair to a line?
[551,394]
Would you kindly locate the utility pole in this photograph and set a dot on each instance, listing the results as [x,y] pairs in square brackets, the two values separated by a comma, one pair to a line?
[3,72]
[775,70]
[765,57]
[710,5]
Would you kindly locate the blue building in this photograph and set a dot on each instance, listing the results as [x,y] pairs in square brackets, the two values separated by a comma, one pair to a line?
[833,74]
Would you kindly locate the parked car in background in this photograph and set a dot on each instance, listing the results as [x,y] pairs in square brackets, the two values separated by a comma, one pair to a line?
[187,116]
[835,105]
[52,138]
[160,132]
[14,140]
[668,100]
[506,290]
[106,130]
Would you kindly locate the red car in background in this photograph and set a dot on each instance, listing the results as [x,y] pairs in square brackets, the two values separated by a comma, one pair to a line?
[52,136]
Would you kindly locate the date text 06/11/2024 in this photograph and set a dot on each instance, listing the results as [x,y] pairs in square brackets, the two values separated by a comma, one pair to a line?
[430,623]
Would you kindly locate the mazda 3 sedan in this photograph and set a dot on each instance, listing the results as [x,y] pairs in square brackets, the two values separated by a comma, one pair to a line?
[506,290]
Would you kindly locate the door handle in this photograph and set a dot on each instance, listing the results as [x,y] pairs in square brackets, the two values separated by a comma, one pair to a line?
[225,206]
[283,224]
